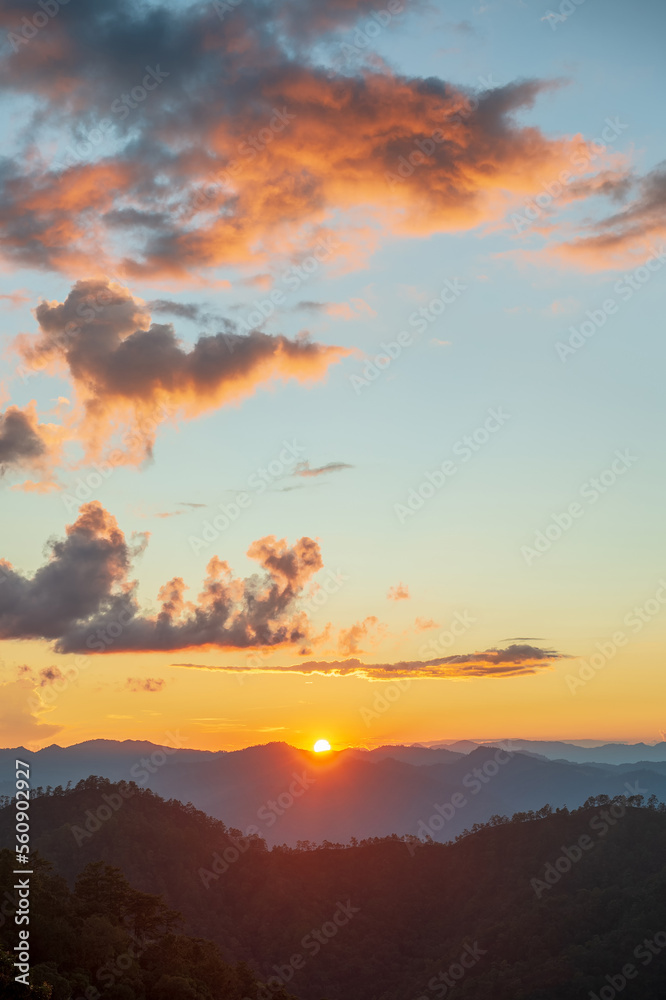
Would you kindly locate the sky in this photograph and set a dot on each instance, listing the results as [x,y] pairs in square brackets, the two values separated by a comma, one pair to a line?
[331,381]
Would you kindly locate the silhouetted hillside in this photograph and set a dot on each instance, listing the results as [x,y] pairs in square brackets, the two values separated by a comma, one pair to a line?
[337,796]
[538,908]
[106,939]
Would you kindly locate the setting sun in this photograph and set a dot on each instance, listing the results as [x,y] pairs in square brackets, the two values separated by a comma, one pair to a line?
[321,746]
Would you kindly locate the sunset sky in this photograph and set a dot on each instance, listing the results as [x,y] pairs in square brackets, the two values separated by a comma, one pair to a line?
[331,392]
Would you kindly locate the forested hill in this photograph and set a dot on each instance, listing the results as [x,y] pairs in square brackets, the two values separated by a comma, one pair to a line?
[537,908]
[108,941]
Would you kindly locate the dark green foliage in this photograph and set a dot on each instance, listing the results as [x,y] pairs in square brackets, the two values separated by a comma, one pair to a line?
[107,941]
[415,907]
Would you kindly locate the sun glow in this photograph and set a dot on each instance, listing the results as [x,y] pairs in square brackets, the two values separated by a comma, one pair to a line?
[321,746]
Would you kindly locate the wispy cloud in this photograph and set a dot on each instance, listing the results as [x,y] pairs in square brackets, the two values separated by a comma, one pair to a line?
[304,469]
[514,661]
[148,685]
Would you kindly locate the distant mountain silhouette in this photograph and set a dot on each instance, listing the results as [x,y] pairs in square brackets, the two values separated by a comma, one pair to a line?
[285,794]
[607,753]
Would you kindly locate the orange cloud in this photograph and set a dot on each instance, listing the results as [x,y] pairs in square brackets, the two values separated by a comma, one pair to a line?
[20,719]
[130,374]
[369,630]
[15,299]
[205,180]
[84,600]
[354,309]
[627,238]
[514,661]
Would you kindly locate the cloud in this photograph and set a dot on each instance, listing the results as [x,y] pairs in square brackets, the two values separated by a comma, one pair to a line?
[183,310]
[462,27]
[131,373]
[78,578]
[515,661]
[83,599]
[308,306]
[424,624]
[202,174]
[354,309]
[303,469]
[149,684]
[399,593]
[15,299]
[20,440]
[628,237]
[48,675]
[350,639]
[43,678]
[19,723]
[28,446]
[522,638]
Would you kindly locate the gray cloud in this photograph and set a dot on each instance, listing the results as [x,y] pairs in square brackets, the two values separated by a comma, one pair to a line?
[127,369]
[83,599]
[616,237]
[513,661]
[21,443]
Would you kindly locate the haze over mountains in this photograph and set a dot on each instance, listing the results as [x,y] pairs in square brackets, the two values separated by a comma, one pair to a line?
[385,919]
[585,752]
[287,795]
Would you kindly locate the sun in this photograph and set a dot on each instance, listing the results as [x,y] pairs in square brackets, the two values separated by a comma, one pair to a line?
[321,746]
